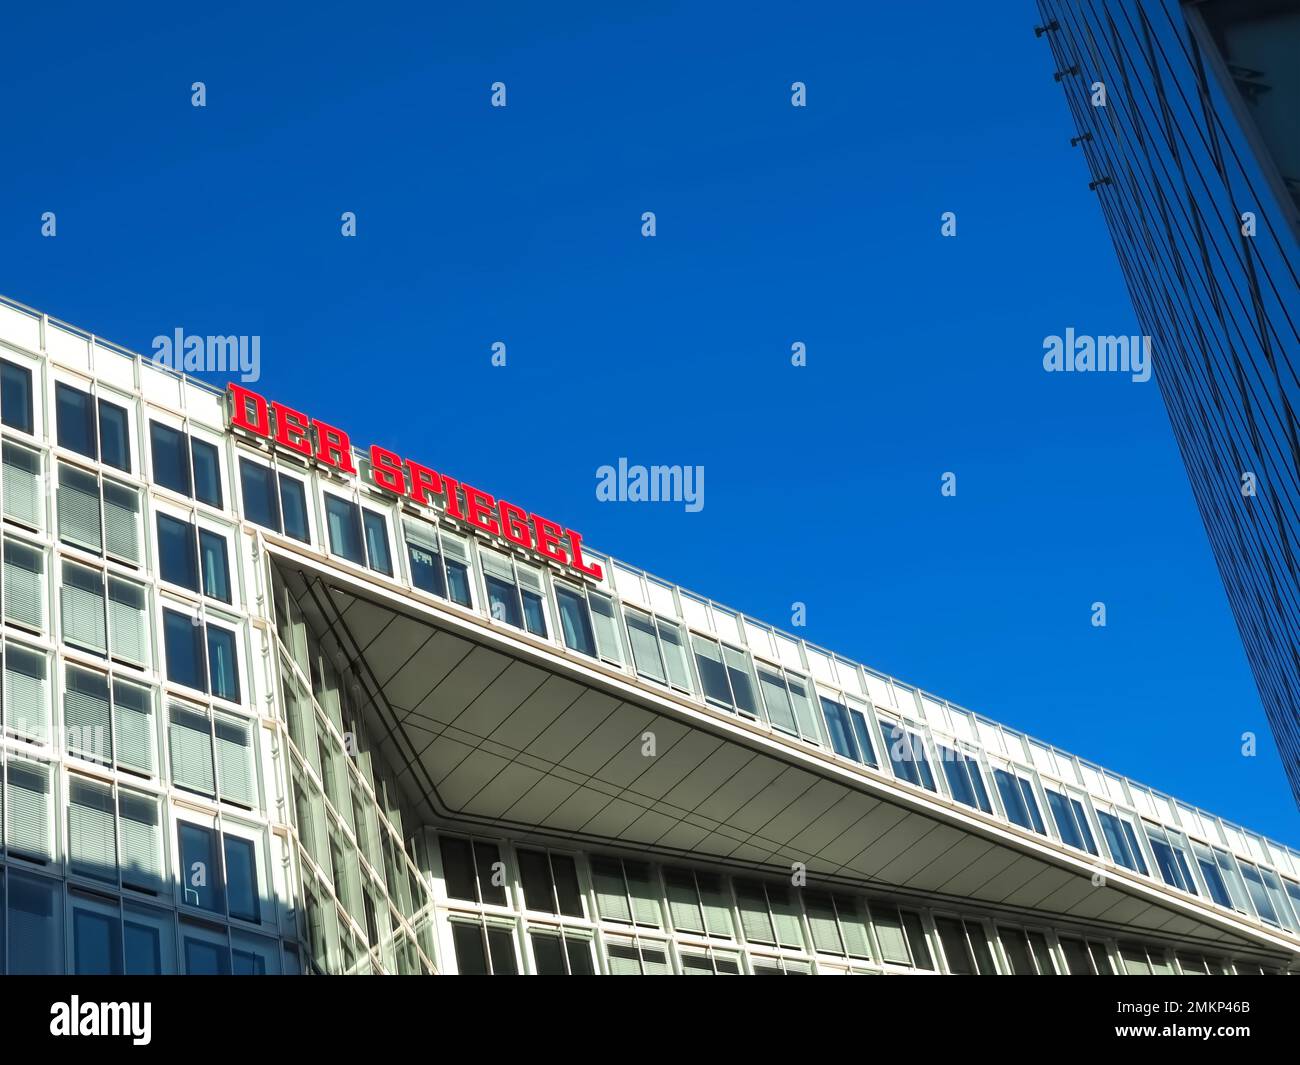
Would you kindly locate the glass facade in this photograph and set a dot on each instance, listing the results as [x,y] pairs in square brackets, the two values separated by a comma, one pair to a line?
[201,772]
[1194,156]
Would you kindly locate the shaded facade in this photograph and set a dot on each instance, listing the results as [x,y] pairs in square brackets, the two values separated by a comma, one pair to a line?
[1195,161]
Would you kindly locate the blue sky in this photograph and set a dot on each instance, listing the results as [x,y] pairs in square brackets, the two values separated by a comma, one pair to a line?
[775,225]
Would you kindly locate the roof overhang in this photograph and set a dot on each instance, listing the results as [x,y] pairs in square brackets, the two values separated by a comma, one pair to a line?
[490,727]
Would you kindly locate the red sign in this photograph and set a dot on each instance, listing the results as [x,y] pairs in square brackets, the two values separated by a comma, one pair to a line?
[317,440]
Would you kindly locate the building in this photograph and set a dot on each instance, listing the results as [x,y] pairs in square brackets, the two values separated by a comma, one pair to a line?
[1195,160]
[276,704]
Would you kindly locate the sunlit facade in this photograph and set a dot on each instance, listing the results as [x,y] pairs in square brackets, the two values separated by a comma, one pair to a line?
[1194,157]
[262,716]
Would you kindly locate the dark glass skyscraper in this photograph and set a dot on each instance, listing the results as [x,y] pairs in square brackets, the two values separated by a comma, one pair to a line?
[1188,115]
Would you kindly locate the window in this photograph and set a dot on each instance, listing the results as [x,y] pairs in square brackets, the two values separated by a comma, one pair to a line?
[658,649]
[343,520]
[1122,841]
[110,523]
[768,914]
[550,883]
[185,464]
[557,955]
[443,573]
[785,698]
[588,623]
[1018,800]
[901,936]
[241,878]
[140,822]
[274,500]
[83,607]
[1171,858]
[178,552]
[1085,958]
[726,675]
[625,892]
[26,702]
[630,957]
[24,585]
[965,780]
[1140,961]
[214,565]
[698,903]
[1027,952]
[87,715]
[185,640]
[203,957]
[75,416]
[848,731]
[24,492]
[1266,893]
[133,727]
[710,963]
[236,771]
[1071,821]
[189,738]
[484,949]
[966,946]
[212,885]
[837,924]
[514,592]
[201,883]
[92,836]
[193,558]
[16,396]
[96,941]
[377,542]
[472,870]
[35,925]
[907,755]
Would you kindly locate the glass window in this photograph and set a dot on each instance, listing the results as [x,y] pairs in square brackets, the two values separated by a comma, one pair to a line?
[575,621]
[840,729]
[96,943]
[293,503]
[964,779]
[1018,801]
[645,646]
[1071,821]
[550,883]
[207,473]
[35,926]
[1121,841]
[171,467]
[907,755]
[177,553]
[203,958]
[1171,859]
[258,484]
[241,878]
[223,663]
[343,520]
[183,640]
[143,948]
[114,436]
[16,396]
[377,542]
[76,420]
[200,867]
[215,565]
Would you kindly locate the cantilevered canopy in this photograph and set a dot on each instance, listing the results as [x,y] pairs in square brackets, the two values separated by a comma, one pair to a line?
[489,726]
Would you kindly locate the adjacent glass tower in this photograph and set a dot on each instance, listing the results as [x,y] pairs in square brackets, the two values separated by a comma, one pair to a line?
[1187,117]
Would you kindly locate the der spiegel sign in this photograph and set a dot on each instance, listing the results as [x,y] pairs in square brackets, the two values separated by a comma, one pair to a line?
[322,443]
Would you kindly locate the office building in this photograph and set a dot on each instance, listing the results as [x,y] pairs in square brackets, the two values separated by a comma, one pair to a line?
[273,703]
